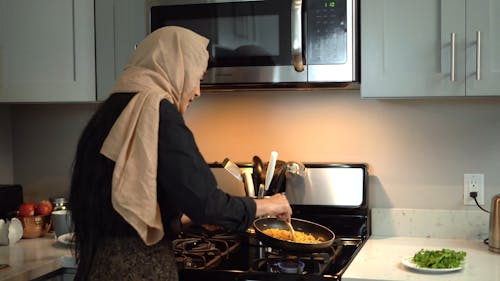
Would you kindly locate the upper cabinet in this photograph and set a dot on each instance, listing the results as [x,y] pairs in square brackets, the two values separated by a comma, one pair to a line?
[430,48]
[50,51]
[47,51]
[120,26]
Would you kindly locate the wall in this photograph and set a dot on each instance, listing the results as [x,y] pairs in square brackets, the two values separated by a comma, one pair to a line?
[417,150]
[6,162]
[45,143]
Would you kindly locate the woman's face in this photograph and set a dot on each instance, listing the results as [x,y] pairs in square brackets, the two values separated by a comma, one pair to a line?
[195,93]
[191,96]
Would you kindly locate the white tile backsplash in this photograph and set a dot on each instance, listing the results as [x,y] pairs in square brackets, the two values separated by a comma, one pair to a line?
[431,223]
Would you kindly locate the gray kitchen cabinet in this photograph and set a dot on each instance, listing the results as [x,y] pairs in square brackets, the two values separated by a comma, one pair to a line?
[430,48]
[47,51]
[120,26]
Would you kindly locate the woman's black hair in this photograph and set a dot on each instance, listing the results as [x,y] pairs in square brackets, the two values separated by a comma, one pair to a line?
[92,213]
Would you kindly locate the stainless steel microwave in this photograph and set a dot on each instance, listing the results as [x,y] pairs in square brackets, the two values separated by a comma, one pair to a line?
[269,42]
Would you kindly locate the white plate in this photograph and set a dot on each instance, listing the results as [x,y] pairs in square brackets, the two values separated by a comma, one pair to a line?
[408,262]
[66,239]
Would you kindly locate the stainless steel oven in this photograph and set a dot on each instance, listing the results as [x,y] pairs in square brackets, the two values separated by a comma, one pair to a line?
[269,41]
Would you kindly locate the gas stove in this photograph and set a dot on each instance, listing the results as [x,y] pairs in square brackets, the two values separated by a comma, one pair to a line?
[242,256]
[249,259]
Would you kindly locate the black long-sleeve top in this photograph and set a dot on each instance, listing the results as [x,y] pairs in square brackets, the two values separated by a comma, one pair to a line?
[185,183]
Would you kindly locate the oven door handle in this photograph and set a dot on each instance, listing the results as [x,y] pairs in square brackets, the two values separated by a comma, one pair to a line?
[297,58]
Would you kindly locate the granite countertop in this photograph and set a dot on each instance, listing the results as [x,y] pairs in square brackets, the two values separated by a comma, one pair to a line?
[32,258]
[381,256]
[400,233]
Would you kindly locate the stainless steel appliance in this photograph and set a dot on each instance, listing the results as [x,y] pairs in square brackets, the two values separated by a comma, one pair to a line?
[269,42]
[242,256]
[494,237]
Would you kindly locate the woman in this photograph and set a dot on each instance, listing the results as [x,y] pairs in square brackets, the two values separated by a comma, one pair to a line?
[138,170]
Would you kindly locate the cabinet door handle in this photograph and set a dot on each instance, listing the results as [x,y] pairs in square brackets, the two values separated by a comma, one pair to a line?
[478,55]
[298,62]
[452,54]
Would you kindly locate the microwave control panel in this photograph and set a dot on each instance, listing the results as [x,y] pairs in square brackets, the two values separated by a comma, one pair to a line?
[326,31]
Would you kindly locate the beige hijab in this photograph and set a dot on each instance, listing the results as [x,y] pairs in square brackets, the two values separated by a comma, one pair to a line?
[168,64]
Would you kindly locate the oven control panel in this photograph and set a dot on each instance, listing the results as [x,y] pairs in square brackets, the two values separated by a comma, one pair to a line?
[328,184]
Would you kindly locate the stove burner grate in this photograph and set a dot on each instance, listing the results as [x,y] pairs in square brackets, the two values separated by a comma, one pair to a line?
[202,252]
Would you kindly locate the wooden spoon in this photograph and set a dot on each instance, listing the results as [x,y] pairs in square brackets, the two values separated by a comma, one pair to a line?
[292,231]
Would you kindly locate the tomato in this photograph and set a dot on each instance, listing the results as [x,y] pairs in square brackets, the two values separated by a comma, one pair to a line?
[44,207]
[27,209]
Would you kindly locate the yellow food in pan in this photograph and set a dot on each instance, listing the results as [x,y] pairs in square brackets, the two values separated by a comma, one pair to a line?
[300,236]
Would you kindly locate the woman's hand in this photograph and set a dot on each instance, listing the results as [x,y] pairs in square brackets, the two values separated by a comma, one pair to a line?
[185,220]
[276,205]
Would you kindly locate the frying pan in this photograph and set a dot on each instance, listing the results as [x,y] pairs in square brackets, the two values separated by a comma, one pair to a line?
[308,227]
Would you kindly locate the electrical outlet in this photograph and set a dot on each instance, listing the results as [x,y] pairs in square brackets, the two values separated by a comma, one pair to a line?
[473,182]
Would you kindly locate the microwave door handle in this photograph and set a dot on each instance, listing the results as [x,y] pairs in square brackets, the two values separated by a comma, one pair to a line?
[298,62]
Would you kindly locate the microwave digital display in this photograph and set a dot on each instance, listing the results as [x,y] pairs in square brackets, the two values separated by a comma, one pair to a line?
[330,4]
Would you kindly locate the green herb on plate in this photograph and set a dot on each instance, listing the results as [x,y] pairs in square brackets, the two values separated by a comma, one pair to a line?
[444,258]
